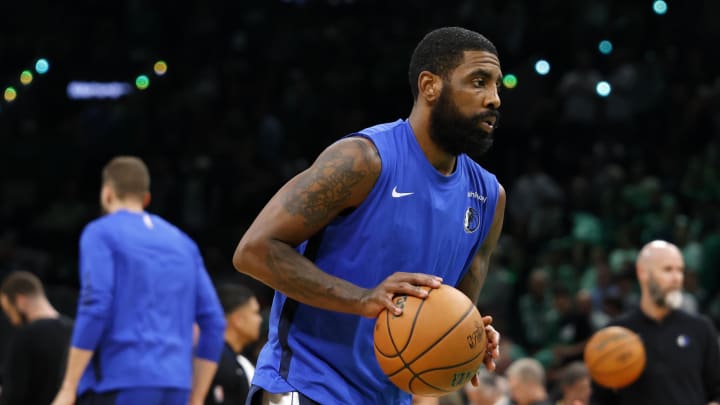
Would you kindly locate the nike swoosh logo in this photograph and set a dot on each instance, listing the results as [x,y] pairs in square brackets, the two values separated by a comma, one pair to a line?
[395,193]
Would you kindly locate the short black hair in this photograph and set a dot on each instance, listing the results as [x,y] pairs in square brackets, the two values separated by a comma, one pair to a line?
[233,296]
[442,50]
[573,373]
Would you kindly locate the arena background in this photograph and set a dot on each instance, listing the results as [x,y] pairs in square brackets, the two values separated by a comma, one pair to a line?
[255,89]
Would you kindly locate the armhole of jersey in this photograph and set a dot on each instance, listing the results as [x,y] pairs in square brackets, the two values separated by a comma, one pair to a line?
[379,180]
[493,195]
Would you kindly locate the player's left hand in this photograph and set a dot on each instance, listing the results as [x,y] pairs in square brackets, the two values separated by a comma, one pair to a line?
[492,348]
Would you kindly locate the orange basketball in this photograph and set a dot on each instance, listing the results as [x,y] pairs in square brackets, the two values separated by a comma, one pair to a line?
[615,357]
[435,346]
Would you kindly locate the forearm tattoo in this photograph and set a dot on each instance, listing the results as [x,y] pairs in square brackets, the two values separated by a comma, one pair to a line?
[473,282]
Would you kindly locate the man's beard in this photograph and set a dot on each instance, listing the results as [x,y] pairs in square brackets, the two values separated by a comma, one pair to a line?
[456,133]
[671,299]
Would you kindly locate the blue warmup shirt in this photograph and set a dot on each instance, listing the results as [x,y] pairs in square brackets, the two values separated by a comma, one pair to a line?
[414,220]
[143,285]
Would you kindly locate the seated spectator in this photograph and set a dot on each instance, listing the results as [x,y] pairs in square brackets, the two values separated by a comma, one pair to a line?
[526,378]
[575,385]
[491,390]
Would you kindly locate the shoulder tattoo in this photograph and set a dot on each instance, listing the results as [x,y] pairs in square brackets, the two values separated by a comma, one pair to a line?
[329,183]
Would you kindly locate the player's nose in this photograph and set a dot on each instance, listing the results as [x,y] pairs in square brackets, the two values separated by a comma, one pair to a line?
[492,99]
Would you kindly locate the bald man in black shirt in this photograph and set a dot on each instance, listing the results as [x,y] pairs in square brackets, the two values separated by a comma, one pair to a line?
[683,356]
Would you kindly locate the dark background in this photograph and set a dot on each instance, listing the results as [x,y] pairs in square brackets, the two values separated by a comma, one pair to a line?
[256,89]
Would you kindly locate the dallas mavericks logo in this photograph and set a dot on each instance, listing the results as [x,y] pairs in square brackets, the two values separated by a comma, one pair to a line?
[472,220]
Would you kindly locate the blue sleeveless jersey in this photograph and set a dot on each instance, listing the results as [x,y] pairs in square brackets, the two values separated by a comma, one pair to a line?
[414,220]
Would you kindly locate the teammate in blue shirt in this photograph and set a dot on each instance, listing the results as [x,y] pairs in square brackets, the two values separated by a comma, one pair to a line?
[143,286]
[381,212]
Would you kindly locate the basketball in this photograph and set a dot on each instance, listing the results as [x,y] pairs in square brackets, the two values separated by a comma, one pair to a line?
[615,357]
[435,346]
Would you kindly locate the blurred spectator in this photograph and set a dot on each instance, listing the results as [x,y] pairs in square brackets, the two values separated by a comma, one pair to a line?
[526,379]
[577,90]
[575,385]
[491,390]
[534,203]
[535,310]
[231,383]
[35,360]
[570,332]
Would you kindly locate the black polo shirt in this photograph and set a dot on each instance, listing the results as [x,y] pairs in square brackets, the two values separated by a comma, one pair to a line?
[683,362]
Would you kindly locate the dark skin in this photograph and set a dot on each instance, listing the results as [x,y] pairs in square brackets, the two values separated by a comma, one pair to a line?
[341,178]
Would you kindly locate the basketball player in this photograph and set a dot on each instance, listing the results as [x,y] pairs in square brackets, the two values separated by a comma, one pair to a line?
[683,358]
[381,212]
[35,359]
[143,286]
[231,383]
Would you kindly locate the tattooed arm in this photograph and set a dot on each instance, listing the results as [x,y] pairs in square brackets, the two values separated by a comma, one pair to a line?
[341,178]
[473,281]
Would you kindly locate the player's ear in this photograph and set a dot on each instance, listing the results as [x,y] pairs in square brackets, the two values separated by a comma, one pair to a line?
[641,272]
[429,86]
[106,193]
[146,199]
[20,302]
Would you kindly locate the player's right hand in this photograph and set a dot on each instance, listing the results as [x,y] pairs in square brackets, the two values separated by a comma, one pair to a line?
[399,283]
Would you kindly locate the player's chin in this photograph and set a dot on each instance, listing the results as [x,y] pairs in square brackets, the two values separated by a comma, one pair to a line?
[478,147]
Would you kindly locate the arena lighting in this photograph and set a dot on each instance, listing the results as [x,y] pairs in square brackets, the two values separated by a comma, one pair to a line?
[42,66]
[660,7]
[603,88]
[10,94]
[510,81]
[142,82]
[26,77]
[542,67]
[160,67]
[77,90]
[605,47]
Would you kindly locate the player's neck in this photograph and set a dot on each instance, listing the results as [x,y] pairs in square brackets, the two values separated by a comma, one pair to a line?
[651,309]
[126,205]
[442,161]
[41,309]
[237,344]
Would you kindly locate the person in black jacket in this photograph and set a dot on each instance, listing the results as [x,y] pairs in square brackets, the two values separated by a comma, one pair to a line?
[35,359]
[231,383]
[683,356]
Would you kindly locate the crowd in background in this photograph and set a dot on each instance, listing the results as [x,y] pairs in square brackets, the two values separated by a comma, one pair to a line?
[256,89]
